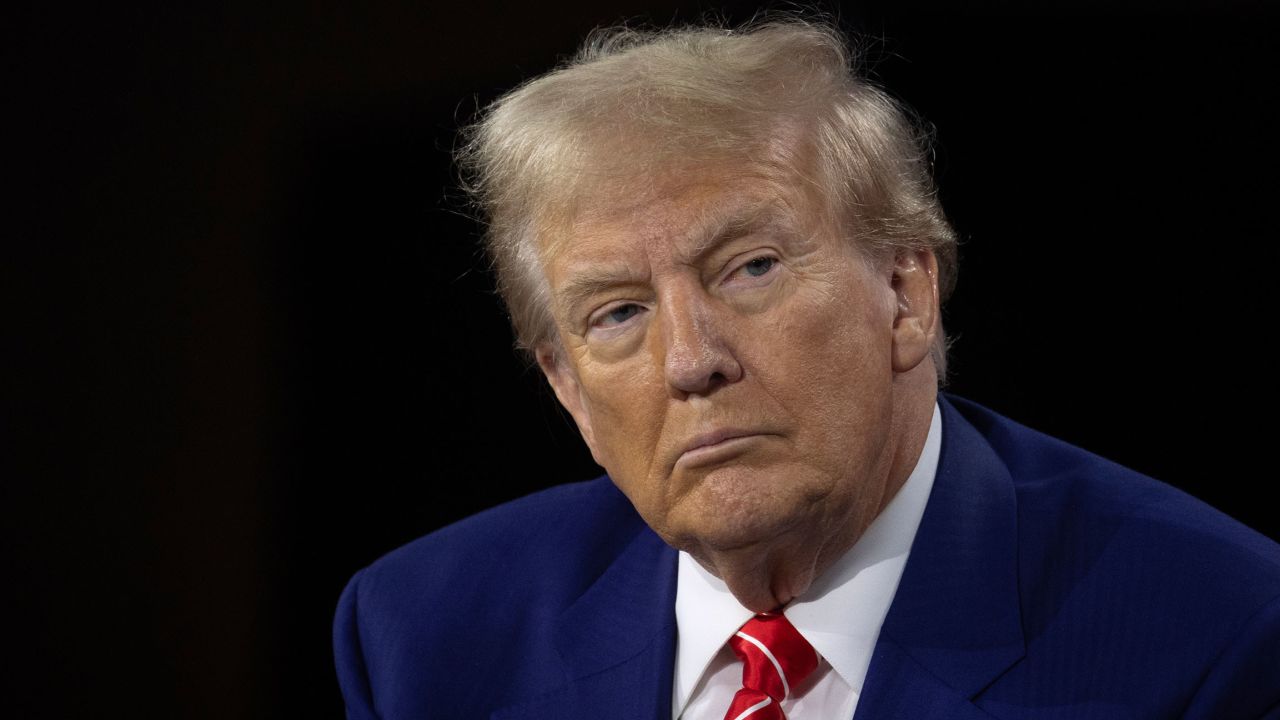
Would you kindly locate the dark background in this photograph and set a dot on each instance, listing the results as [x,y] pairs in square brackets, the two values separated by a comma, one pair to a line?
[252,345]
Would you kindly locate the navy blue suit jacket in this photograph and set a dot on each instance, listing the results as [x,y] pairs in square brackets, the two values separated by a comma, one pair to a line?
[1044,582]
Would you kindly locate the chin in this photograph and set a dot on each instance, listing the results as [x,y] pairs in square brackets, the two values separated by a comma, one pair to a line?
[737,526]
[737,506]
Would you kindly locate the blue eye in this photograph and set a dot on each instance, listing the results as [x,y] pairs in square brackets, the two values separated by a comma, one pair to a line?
[622,313]
[759,266]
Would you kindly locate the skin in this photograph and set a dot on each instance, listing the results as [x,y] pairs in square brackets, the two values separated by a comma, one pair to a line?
[756,386]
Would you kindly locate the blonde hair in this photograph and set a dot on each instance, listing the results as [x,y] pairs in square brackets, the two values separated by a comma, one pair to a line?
[631,103]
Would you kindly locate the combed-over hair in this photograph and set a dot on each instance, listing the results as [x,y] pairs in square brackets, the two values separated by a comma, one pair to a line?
[631,103]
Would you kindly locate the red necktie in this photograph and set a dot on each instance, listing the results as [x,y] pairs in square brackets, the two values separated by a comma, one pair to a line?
[775,660]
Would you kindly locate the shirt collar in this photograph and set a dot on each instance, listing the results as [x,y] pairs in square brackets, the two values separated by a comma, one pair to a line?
[840,615]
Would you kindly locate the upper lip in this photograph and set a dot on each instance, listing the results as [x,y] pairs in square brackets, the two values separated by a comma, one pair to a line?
[715,436]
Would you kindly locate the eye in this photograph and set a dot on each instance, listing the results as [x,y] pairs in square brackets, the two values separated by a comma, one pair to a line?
[616,315]
[759,266]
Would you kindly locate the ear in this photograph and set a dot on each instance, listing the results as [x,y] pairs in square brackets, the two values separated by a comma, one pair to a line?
[564,382]
[915,286]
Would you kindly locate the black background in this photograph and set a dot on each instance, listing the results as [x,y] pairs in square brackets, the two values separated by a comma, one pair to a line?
[251,343]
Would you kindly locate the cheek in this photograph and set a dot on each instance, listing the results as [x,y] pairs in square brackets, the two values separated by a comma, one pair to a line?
[833,336]
[832,370]
[626,404]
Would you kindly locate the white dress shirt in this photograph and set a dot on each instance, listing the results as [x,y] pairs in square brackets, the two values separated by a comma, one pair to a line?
[840,615]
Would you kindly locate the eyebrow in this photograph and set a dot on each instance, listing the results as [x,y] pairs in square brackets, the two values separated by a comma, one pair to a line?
[718,232]
[596,279]
[742,221]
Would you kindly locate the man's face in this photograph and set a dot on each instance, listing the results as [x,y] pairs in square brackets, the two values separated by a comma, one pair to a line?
[730,360]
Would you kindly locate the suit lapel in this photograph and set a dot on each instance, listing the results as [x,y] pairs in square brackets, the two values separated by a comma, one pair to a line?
[953,628]
[617,642]
[906,690]
[955,624]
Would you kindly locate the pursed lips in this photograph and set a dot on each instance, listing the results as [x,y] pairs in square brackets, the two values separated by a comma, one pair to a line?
[716,445]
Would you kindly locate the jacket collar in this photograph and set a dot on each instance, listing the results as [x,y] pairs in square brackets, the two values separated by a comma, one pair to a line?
[953,627]
[955,622]
[617,641]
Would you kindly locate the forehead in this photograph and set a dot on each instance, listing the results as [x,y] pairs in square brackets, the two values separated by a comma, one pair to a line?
[682,209]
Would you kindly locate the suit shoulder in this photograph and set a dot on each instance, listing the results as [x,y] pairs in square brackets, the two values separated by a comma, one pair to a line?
[549,533]
[1171,600]
[1088,512]
[1050,473]
[480,595]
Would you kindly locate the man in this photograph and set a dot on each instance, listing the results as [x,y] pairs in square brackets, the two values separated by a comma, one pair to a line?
[725,254]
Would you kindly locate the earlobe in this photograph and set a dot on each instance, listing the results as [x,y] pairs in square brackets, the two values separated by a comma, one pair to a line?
[564,383]
[915,325]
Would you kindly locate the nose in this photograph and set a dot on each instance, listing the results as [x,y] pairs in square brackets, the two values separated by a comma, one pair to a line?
[699,356]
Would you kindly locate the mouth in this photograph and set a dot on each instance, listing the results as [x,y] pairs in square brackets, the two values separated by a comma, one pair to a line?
[716,447]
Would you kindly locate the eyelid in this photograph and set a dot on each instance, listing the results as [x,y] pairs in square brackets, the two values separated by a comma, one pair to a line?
[735,268]
[594,319]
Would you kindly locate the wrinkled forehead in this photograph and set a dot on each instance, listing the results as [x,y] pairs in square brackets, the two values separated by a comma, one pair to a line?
[681,197]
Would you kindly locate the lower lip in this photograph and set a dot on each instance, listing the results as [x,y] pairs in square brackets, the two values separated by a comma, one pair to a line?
[719,452]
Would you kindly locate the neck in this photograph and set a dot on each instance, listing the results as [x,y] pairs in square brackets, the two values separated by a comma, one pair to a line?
[767,576]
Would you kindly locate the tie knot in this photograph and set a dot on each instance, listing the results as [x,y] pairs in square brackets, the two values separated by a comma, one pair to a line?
[775,656]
